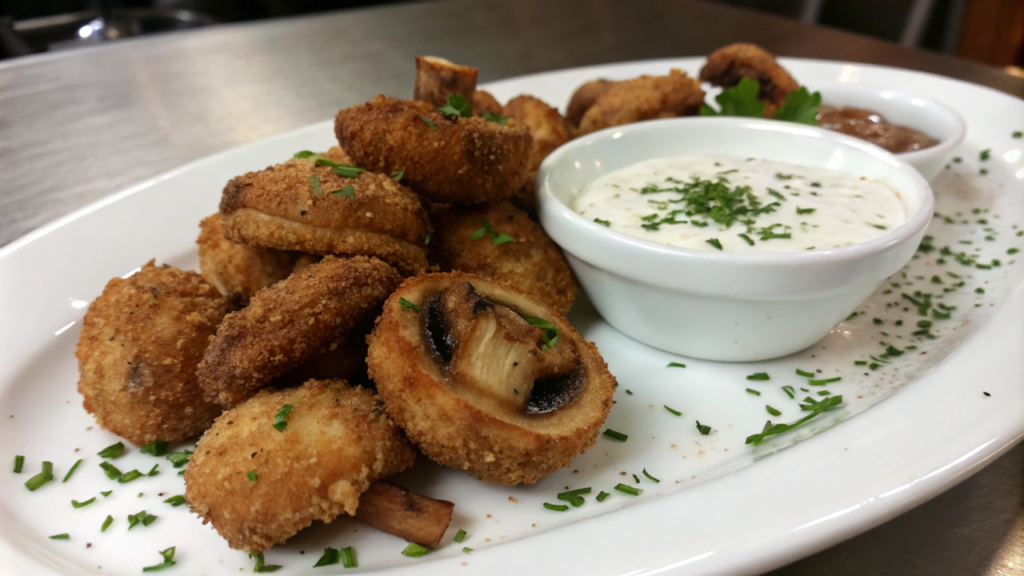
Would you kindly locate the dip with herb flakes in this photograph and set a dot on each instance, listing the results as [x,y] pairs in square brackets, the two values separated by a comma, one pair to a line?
[741,205]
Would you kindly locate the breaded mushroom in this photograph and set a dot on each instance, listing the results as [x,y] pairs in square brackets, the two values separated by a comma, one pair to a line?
[728,65]
[302,206]
[486,380]
[644,98]
[528,261]
[271,466]
[437,79]
[291,322]
[549,131]
[584,97]
[239,269]
[141,341]
[445,159]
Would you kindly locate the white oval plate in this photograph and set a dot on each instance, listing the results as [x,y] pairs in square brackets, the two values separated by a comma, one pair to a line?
[720,505]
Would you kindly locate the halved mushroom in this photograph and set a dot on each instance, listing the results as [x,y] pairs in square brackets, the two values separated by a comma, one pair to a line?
[486,380]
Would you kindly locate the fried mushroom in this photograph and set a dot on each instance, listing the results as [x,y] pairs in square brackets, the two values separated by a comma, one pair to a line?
[437,79]
[259,478]
[728,65]
[238,269]
[302,206]
[291,322]
[530,262]
[549,131]
[473,381]
[137,354]
[644,98]
[445,159]
[584,97]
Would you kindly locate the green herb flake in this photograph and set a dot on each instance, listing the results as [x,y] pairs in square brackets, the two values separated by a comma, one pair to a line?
[179,459]
[153,471]
[145,518]
[800,210]
[168,556]
[746,239]
[758,376]
[738,100]
[627,489]
[556,507]
[252,475]
[64,536]
[495,118]
[456,107]
[772,429]
[129,476]
[112,451]
[280,419]
[72,471]
[346,192]
[429,123]
[408,305]
[674,412]
[461,534]
[107,523]
[260,566]
[800,106]
[851,316]
[397,176]
[19,464]
[649,477]
[615,435]
[158,448]
[497,238]
[467,549]
[789,391]
[568,496]
[348,557]
[1017,134]
[39,480]
[175,500]
[714,242]
[314,183]
[549,336]
[985,154]
[804,373]
[604,223]
[675,365]
[752,391]
[771,410]
[704,430]
[77,504]
[602,495]
[330,556]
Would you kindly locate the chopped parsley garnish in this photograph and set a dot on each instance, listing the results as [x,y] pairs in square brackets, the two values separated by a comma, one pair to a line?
[112,451]
[769,233]
[260,566]
[348,557]
[649,477]
[627,489]
[397,176]
[758,376]
[615,435]
[456,107]
[773,429]
[179,459]
[175,500]
[144,517]
[168,561]
[604,223]
[674,412]
[800,210]
[800,106]
[714,242]
[704,430]
[497,238]
[107,523]
[346,192]
[39,480]
[252,475]
[408,305]
[675,365]
[330,556]
[429,123]
[549,334]
[19,463]
[129,476]
[496,118]
[985,154]
[824,381]
[778,195]
[851,316]
[158,448]
[77,504]
[153,471]
[280,419]
[602,495]
[747,239]
[64,536]
[314,183]
[72,471]
[789,391]
[568,496]
[771,410]
[461,534]
[1018,134]
[715,199]
[556,507]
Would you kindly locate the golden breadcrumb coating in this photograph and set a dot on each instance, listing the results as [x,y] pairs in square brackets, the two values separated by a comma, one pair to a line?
[464,160]
[239,269]
[584,97]
[258,485]
[531,263]
[370,215]
[141,341]
[463,426]
[644,98]
[290,323]
[728,65]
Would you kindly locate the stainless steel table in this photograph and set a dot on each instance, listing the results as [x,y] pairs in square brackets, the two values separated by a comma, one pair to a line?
[79,125]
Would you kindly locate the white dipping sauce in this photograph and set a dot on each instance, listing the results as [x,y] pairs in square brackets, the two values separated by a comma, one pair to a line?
[779,207]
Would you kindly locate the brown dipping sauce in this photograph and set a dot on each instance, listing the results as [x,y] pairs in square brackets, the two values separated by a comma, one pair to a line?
[871,126]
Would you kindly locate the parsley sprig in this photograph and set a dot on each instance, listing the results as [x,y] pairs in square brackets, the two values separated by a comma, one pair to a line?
[801,105]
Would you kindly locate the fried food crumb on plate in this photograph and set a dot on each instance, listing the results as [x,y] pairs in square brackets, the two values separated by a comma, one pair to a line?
[445,159]
[644,98]
[484,379]
[468,239]
[300,205]
[272,465]
[730,64]
[239,269]
[137,354]
[291,322]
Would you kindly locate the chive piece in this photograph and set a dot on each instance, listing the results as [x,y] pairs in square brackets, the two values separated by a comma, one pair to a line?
[348,557]
[39,480]
[153,471]
[747,239]
[461,534]
[281,417]
[628,391]
[704,430]
[568,496]
[397,176]
[824,381]
[675,365]
[408,305]
[429,123]
[758,376]
[314,183]
[815,409]
[636,478]
[824,393]
[674,412]
[604,223]
[627,489]
[556,507]
[346,171]
[112,451]
[772,411]
[985,154]
[549,336]
[260,567]
[492,117]
[414,550]
[168,561]
[72,471]
[577,502]
[330,556]
[179,459]
[129,476]
[602,495]
[467,549]
[175,500]
[144,517]
[107,523]
[649,477]
[860,362]
[497,238]
[346,192]
[804,373]
[615,435]
[252,476]
[714,242]
[78,504]
[19,463]
[752,391]
[158,448]
[789,391]
[112,472]
[64,536]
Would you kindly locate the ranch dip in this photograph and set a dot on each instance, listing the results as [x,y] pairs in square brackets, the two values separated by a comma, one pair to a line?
[740,205]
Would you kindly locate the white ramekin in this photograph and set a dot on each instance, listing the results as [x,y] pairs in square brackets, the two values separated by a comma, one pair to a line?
[718,305]
[922,114]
